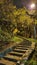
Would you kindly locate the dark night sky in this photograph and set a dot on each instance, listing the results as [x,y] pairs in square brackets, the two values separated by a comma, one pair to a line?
[18,3]
[21,3]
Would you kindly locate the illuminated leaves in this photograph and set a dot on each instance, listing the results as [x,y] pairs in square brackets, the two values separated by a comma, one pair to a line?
[19,20]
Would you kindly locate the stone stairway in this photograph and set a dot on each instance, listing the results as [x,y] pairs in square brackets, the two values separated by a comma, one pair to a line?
[21,51]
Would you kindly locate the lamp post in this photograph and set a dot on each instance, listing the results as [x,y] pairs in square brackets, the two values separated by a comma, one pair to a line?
[33,16]
[33,6]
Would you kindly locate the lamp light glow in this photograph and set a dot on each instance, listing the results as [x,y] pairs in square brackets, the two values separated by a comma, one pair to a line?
[32,6]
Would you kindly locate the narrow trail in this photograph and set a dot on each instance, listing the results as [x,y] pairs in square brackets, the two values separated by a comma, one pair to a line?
[20,52]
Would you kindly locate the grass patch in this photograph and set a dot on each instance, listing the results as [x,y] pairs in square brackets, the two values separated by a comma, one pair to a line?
[30,39]
[33,40]
[16,39]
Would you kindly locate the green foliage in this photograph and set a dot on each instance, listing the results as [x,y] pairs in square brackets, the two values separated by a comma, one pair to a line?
[4,36]
[14,18]
[6,30]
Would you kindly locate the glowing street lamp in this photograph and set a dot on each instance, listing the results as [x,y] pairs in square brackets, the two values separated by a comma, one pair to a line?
[31,13]
[32,6]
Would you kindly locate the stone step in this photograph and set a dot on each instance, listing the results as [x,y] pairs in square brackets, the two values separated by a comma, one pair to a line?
[12,57]
[7,62]
[15,54]
[2,64]
[29,44]
[22,48]
[20,51]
